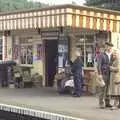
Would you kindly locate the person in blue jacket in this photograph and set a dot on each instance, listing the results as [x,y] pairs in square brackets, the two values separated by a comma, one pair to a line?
[77,74]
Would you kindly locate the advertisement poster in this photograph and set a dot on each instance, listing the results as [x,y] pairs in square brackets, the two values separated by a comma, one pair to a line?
[16,52]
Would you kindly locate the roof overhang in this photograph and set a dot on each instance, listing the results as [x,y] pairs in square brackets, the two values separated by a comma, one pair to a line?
[73,16]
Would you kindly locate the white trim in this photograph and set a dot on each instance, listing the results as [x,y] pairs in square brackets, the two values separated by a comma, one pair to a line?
[36,113]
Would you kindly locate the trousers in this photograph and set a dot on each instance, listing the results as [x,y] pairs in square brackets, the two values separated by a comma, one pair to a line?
[78,83]
[103,92]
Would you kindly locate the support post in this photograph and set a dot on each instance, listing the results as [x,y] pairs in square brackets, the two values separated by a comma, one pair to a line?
[84,51]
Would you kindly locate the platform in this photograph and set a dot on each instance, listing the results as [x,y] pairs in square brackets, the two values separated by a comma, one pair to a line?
[47,103]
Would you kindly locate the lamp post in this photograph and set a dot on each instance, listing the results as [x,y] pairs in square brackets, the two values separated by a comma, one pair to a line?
[83,40]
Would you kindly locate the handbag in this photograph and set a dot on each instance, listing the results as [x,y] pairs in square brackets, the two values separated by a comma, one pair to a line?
[98,79]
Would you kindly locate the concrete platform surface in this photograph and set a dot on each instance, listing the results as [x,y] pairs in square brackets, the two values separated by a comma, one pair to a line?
[48,100]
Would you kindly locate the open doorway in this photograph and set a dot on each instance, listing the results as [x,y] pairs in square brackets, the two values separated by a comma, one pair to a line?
[51,61]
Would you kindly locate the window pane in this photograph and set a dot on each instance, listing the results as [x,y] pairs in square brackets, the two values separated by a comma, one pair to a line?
[23,55]
[29,54]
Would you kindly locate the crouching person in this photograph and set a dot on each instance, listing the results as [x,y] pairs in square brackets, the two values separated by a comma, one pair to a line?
[60,80]
[64,82]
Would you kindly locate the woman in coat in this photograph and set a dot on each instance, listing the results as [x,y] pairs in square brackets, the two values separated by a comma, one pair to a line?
[114,88]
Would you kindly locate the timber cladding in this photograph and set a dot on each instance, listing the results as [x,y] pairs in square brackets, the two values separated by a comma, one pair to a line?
[62,15]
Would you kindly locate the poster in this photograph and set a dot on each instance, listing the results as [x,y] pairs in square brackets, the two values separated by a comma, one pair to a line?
[16,52]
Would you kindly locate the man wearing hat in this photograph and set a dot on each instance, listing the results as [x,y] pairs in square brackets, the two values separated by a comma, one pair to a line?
[77,74]
[103,61]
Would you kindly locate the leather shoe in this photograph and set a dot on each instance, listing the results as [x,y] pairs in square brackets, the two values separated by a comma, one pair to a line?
[118,106]
[109,106]
[76,95]
[102,106]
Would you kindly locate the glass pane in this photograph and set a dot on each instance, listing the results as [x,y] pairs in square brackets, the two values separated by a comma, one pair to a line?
[23,55]
[29,54]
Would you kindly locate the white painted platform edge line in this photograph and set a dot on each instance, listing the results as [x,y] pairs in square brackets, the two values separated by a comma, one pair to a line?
[13,108]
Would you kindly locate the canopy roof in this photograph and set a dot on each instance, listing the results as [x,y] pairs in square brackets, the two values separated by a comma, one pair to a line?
[73,16]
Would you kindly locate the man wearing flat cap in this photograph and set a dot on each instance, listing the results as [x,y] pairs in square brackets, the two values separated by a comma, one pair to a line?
[109,44]
[103,64]
[77,74]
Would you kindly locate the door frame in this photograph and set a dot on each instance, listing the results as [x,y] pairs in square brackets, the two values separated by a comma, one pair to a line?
[45,74]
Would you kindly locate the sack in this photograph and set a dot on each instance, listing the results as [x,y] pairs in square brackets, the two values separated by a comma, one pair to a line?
[100,82]
[60,76]
[98,79]
[69,83]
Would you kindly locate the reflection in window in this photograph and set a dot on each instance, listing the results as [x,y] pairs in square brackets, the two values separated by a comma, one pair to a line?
[26,54]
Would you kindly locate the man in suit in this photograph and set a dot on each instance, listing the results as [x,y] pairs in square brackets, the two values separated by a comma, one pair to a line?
[104,59]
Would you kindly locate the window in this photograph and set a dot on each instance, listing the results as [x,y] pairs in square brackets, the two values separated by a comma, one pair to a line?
[26,50]
[26,56]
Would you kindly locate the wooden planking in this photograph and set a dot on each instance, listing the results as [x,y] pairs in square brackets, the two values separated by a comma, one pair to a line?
[96,21]
[79,17]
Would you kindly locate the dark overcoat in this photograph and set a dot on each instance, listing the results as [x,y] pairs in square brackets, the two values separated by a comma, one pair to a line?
[77,74]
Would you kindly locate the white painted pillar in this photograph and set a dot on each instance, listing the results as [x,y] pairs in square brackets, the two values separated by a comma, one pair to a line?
[3,48]
[115,39]
[5,40]
[7,46]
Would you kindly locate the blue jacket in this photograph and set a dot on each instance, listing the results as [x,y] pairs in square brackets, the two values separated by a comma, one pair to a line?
[77,65]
